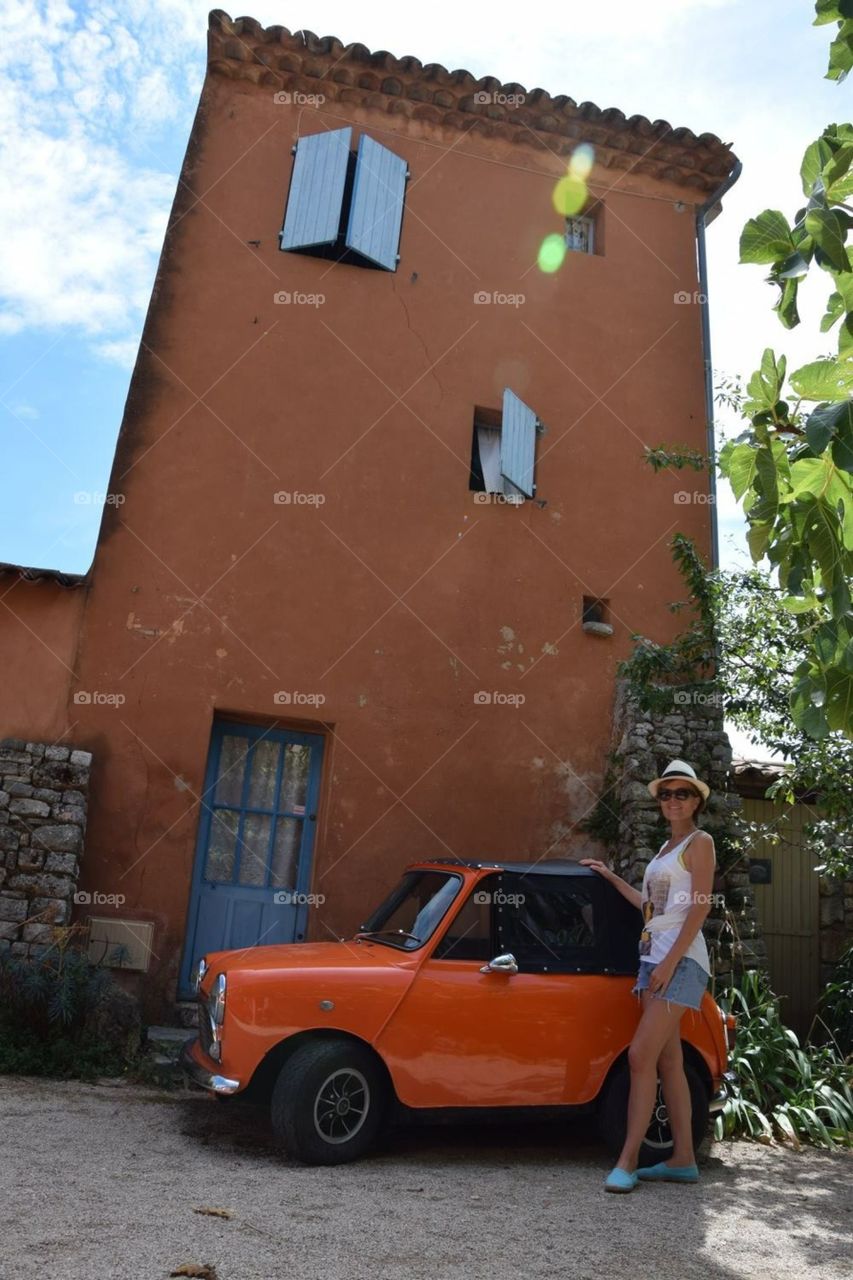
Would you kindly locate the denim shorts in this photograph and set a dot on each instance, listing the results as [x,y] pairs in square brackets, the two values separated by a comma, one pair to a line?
[687,985]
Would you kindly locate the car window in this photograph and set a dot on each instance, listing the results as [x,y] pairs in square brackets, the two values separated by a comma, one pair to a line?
[552,922]
[469,936]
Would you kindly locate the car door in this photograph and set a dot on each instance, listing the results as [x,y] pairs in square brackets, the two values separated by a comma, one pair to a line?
[462,1037]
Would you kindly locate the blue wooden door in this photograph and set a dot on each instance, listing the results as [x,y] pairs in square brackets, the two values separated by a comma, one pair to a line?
[252,871]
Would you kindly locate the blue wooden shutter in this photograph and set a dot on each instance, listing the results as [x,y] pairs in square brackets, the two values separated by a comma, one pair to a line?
[316,189]
[377,203]
[518,442]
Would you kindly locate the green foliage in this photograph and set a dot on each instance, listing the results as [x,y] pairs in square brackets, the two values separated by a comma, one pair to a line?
[841,49]
[786,1091]
[793,466]
[45,1001]
[603,821]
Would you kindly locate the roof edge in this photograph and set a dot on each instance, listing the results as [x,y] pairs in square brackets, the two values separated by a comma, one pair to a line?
[27,573]
[276,58]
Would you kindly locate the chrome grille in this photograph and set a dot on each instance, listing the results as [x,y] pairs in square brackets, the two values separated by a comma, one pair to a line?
[205,1033]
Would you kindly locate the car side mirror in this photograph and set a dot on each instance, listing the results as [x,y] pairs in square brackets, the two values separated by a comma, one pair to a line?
[501,964]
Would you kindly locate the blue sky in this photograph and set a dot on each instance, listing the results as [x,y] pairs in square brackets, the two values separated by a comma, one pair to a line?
[96,104]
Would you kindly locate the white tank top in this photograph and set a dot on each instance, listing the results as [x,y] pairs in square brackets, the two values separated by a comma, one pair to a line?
[667,896]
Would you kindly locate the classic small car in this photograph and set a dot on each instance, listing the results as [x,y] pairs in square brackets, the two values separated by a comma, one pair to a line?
[475,986]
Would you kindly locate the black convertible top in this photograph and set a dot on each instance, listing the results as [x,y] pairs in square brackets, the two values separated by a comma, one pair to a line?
[547,867]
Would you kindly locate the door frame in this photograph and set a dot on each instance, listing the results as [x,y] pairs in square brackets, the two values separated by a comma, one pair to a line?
[254,732]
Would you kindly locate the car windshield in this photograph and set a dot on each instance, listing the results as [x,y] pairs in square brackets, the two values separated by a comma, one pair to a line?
[410,915]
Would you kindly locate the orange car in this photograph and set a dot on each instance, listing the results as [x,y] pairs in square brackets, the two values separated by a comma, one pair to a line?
[473,986]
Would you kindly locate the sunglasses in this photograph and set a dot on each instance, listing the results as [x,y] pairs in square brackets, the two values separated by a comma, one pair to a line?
[683,793]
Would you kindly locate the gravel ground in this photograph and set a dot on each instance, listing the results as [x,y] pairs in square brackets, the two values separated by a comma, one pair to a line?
[99,1181]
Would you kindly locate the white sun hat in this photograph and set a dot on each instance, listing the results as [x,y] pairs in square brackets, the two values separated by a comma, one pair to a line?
[678,770]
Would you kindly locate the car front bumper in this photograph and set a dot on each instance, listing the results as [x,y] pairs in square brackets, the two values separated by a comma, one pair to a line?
[721,1097]
[193,1062]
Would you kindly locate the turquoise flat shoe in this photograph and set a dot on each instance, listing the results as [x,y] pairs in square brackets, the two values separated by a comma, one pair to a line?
[663,1173]
[619,1180]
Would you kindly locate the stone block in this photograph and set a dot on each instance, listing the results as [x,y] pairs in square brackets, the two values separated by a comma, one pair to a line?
[57,753]
[73,797]
[53,773]
[64,838]
[9,932]
[44,793]
[9,839]
[831,911]
[12,908]
[21,789]
[9,755]
[41,933]
[48,885]
[69,813]
[66,863]
[30,859]
[4,799]
[20,948]
[36,749]
[83,758]
[50,910]
[27,808]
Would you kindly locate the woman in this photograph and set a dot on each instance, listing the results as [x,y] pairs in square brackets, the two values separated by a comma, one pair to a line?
[673,976]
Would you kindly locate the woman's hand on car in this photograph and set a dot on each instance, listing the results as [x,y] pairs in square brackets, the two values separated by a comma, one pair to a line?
[601,867]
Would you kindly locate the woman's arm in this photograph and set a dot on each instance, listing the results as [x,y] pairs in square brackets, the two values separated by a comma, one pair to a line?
[628,891]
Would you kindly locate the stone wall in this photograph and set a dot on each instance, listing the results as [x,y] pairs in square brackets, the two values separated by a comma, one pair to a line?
[691,730]
[836,923]
[43,801]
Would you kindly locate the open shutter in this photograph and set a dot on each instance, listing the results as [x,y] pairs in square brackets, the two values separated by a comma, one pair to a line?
[377,203]
[518,442]
[316,194]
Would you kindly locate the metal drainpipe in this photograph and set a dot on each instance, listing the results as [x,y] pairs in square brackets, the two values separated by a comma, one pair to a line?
[701,219]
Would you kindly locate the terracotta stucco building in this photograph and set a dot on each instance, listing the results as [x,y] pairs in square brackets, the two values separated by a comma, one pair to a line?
[313,644]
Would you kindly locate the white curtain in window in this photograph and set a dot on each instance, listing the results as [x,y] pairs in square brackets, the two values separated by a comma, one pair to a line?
[489,444]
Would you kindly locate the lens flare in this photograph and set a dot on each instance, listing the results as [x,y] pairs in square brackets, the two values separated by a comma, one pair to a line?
[580,165]
[551,253]
[569,195]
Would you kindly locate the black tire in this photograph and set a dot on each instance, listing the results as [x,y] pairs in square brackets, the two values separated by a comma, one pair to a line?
[657,1144]
[329,1102]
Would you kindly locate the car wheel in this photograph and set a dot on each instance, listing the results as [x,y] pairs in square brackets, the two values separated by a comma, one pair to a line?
[328,1102]
[657,1144]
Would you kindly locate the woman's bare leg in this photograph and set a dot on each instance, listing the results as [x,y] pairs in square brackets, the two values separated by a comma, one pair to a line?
[660,1021]
[676,1095]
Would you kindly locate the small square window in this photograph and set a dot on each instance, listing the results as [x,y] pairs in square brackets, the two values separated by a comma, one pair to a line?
[580,234]
[596,616]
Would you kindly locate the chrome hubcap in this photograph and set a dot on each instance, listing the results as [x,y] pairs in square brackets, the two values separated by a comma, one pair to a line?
[341,1106]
